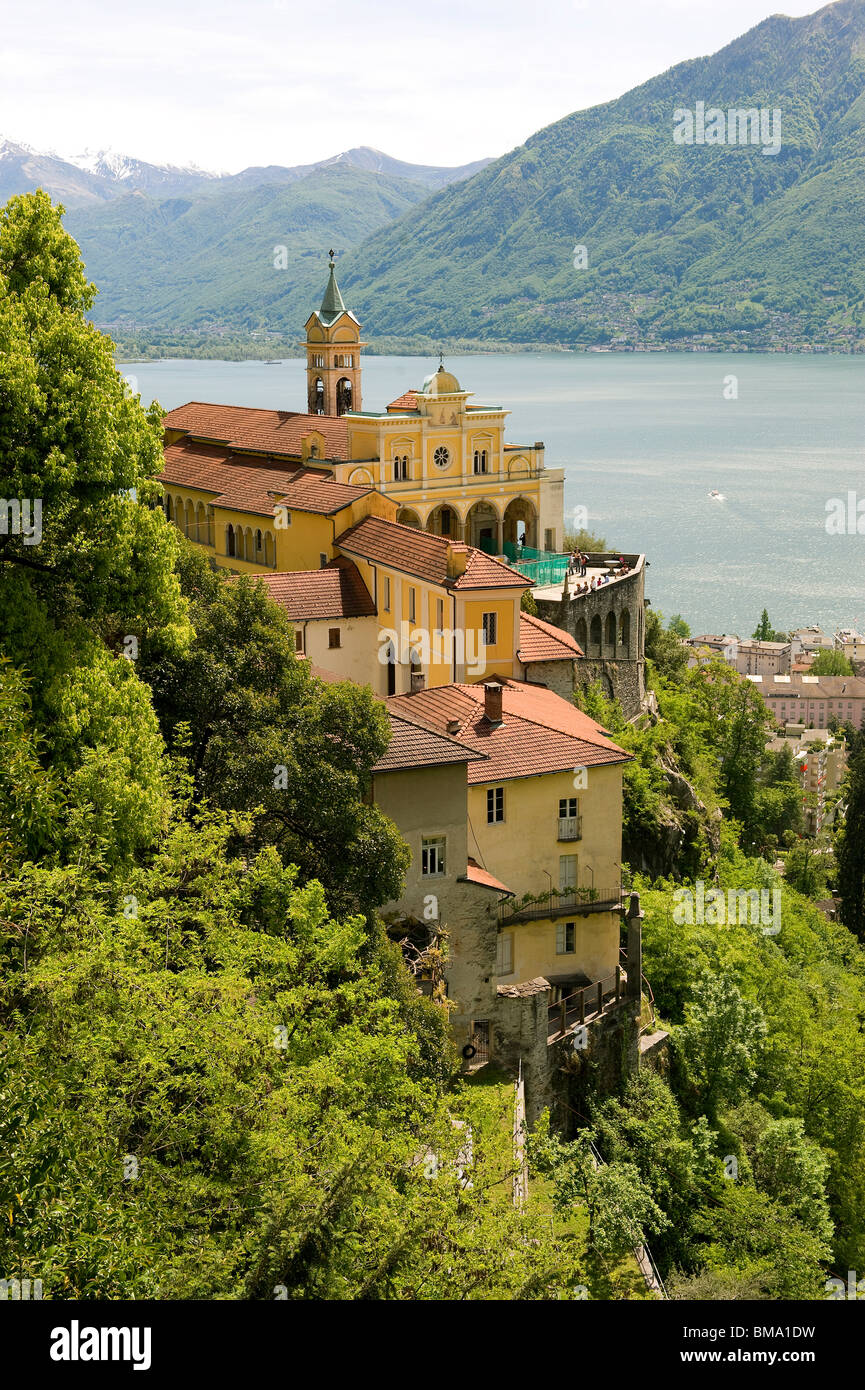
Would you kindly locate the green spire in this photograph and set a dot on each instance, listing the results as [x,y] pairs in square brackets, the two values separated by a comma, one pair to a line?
[332,305]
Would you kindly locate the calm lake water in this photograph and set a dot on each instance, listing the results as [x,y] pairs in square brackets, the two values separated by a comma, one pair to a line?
[643,439]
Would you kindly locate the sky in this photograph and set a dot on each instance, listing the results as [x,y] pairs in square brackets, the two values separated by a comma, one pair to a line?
[228,85]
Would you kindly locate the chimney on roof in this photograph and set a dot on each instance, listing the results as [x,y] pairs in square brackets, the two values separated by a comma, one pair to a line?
[493,702]
[453,726]
[417,682]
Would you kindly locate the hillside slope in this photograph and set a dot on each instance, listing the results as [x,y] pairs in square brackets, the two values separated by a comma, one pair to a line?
[214,258]
[679,238]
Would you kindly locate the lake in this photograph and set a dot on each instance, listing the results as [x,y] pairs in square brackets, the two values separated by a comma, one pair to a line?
[644,438]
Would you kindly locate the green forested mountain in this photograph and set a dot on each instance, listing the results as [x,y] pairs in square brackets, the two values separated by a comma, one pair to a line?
[212,256]
[723,240]
[679,238]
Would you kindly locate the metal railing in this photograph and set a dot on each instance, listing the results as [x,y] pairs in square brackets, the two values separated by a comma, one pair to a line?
[585,1003]
[570,827]
[560,902]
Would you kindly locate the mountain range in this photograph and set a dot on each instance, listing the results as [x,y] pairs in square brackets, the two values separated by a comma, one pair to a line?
[606,228]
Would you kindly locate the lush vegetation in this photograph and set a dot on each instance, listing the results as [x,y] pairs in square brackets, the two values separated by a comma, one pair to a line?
[747,1157]
[217,1077]
[715,242]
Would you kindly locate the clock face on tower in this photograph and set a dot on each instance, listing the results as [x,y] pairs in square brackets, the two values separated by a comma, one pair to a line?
[441,457]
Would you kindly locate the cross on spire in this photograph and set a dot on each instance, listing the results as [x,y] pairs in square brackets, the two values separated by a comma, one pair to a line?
[331,253]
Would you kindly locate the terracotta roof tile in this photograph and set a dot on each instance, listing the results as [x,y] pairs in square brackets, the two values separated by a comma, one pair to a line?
[416,552]
[239,484]
[540,641]
[540,732]
[402,547]
[337,591]
[310,492]
[475,874]
[279,432]
[414,745]
[407,401]
[484,572]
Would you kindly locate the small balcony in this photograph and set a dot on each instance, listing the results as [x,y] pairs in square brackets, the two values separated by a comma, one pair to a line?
[570,827]
[564,902]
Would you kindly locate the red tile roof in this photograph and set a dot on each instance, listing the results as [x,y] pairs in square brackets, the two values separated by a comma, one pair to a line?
[310,492]
[402,547]
[279,432]
[475,874]
[484,572]
[407,401]
[337,591]
[540,641]
[413,744]
[239,484]
[416,552]
[540,732]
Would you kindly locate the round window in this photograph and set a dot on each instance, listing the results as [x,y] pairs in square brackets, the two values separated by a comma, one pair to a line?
[441,457]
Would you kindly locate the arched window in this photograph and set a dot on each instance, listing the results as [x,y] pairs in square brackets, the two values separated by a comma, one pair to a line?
[343,395]
[625,630]
[259,543]
[400,467]
[480,462]
[610,635]
[316,397]
[595,637]
[229,540]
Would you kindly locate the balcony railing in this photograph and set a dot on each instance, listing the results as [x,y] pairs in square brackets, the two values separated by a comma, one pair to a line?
[570,827]
[562,902]
[585,1003]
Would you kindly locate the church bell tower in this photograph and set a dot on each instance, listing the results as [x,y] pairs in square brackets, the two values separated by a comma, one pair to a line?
[332,354]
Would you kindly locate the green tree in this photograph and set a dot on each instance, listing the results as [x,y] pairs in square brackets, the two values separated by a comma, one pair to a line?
[719,1041]
[764,631]
[678,626]
[261,733]
[663,647]
[621,1211]
[850,847]
[831,663]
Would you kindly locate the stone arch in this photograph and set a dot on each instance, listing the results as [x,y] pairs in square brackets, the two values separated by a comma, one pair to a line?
[343,395]
[625,630]
[408,516]
[483,526]
[595,637]
[518,467]
[316,396]
[201,524]
[269,550]
[444,520]
[230,540]
[581,634]
[521,522]
[610,631]
[189,520]
[249,543]
[179,513]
